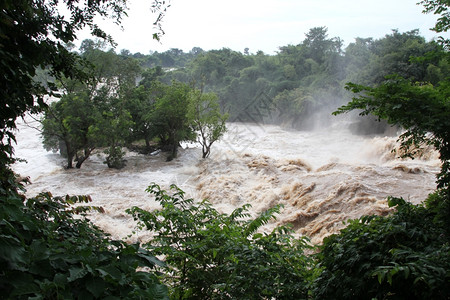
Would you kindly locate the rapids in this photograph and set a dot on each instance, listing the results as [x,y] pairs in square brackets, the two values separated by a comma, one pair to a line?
[321,177]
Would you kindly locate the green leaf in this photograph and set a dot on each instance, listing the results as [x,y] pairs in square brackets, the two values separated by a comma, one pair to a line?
[23,284]
[96,286]
[76,273]
[111,271]
[380,277]
[393,201]
[39,250]
[25,289]
[151,259]
[11,249]
[60,279]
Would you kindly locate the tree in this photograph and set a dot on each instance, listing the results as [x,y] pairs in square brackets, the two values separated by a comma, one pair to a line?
[402,256]
[141,105]
[318,44]
[54,252]
[98,116]
[67,127]
[422,109]
[206,119]
[150,75]
[169,116]
[292,105]
[112,127]
[395,53]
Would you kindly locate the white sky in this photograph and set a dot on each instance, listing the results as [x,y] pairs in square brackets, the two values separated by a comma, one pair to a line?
[264,24]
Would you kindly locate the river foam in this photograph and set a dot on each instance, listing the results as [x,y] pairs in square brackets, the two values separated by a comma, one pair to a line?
[322,178]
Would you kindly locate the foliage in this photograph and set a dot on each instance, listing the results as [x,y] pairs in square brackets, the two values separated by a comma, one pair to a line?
[394,53]
[292,105]
[160,8]
[211,255]
[141,105]
[441,8]
[111,128]
[114,158]
[66,126]
[422,110]
[169,116]
[92,114]
[403,256]
[49,250]
[419,108]
[318,65]
[206,119]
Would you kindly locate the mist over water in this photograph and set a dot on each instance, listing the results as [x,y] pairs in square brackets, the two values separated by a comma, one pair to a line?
[322,177]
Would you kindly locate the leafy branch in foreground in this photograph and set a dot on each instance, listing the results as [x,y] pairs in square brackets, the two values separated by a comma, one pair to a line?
[439,7]
[48,253]
[211,255]
[402,256]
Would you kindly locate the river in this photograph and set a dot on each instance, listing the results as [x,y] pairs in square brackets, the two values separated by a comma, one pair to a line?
[322,177]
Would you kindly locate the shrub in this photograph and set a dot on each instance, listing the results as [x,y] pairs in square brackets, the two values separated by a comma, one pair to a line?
[49,250]
[403,256]
[210,255]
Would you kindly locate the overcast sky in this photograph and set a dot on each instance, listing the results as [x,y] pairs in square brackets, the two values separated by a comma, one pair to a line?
[265,24]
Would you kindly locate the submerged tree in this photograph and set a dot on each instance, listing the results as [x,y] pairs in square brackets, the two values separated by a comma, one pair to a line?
[67,127]
[97,115]
[112,127]
[206,119]
[169,117]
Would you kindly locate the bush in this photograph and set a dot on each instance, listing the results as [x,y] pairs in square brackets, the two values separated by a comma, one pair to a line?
[114,158]
[211,255]
[49,250]
[403,256]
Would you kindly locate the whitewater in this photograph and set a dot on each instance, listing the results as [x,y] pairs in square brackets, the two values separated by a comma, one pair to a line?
[321,177]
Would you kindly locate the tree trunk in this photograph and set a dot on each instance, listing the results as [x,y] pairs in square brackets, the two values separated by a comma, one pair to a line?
[174,150]
[69,153]
[174,144]
[206,150]
[80,160]
[69,161]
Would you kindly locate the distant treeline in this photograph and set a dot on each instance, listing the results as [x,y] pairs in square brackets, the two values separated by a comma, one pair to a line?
[300,79]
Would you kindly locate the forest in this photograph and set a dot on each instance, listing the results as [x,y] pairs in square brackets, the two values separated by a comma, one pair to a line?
[93,98]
